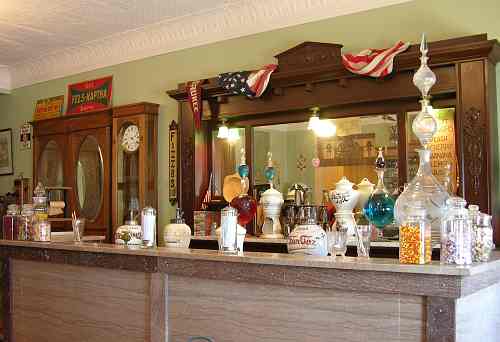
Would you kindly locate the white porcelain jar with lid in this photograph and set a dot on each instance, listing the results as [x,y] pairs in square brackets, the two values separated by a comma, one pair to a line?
[130,233]
[177,233]
[345,198]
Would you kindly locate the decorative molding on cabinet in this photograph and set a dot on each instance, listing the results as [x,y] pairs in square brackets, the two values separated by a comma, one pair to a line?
[235,18]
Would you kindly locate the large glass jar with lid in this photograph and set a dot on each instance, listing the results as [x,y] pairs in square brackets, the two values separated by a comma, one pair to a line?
[131,232]
[482,237]
[25,223]
[456,233]
[424,188]
[10,222]
[415,245]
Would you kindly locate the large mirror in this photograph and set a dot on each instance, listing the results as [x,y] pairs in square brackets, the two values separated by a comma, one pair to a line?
[301,156]
[89,178]
[50,169]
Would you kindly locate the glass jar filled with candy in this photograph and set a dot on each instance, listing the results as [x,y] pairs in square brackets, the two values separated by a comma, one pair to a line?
[25,231]
[10,222]
[456,233]
[482,238]
[415,245]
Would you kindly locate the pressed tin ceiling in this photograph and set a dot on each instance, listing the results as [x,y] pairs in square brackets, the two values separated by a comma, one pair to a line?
[46,39]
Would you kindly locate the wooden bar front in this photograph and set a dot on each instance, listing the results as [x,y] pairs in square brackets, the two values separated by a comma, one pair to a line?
[100,292]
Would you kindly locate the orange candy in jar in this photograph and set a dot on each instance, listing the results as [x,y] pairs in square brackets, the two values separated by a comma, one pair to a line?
[415,238]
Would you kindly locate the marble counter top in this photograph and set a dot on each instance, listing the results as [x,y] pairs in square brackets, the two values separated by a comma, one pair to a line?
[279,259]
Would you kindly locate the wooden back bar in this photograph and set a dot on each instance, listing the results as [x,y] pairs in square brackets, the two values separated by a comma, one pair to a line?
[465,69]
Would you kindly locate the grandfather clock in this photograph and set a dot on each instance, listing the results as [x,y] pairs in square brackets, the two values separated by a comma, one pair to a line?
[135,146]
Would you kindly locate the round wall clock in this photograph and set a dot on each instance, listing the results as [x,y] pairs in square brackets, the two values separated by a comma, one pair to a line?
[130,138]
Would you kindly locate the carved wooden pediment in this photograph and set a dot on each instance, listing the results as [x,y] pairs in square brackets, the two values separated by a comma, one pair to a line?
[310,54]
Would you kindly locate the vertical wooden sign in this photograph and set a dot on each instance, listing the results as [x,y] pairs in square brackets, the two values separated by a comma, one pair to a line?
[172,162]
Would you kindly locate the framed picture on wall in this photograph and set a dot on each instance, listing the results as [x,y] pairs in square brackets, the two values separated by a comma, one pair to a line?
[6,155]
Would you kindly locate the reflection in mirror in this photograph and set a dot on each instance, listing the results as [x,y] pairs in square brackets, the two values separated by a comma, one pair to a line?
[89,178]
[50,170]
[444,159]
[351,153]
[225,157]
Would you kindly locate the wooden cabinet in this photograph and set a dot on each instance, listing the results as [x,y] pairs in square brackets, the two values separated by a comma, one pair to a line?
[135,164]
[71,157]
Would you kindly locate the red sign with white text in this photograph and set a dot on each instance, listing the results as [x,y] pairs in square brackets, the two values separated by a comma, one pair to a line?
[89,95]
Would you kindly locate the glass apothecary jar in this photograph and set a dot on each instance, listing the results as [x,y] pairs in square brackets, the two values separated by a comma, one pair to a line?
[456,233]
[11,222]
[130,233]
[25,231]
[482,238]
[415,246]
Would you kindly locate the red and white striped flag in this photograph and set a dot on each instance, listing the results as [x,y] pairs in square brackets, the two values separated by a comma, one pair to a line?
[373,62]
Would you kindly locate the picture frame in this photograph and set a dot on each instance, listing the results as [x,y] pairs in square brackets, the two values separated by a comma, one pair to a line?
[6,153]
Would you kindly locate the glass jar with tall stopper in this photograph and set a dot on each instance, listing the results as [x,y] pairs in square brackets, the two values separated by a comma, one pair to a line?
[379,209]
[245,204]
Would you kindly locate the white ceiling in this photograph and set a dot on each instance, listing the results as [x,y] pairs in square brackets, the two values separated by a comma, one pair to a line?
[47,39]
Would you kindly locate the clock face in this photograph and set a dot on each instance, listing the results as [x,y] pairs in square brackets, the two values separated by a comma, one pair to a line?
[130,139]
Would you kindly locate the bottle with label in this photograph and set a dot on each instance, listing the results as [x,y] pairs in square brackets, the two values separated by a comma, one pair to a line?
[148,224]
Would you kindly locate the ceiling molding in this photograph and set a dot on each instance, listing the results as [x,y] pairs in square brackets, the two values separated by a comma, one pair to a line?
[234,19]
[5,84]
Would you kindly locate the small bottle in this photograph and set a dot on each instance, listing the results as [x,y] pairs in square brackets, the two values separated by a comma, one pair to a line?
[10,222]
[148,224]
[415,245]
[456,233]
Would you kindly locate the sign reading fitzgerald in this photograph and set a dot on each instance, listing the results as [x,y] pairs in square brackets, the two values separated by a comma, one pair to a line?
[89,95]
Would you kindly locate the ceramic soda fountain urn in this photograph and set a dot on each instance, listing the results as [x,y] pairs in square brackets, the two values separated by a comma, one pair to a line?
[365,188]
[345,199]
[272,201]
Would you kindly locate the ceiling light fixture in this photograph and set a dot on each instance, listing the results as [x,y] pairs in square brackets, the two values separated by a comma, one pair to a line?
[322,128]
[223,132]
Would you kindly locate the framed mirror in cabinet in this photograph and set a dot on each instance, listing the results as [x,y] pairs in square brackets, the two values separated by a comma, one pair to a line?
[367,112]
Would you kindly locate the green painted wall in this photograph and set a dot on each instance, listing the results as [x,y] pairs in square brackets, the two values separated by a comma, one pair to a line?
[148,79]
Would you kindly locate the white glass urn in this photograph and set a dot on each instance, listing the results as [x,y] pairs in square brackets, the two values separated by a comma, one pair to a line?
[272,201]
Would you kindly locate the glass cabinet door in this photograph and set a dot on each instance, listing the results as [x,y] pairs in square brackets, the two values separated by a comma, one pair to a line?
[89,178]
[128,205]
[50,165]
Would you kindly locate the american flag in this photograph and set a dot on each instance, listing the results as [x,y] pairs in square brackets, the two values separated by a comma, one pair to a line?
[374,62]
[249,83]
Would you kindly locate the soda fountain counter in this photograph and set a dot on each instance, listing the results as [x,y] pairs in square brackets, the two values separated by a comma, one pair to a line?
[101,292]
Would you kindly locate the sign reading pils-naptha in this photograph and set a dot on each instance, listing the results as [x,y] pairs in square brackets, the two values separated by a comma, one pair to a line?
[89,95]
